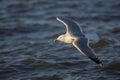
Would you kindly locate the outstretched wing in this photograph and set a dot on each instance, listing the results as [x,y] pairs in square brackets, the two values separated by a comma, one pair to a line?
[72,27]
[82,45]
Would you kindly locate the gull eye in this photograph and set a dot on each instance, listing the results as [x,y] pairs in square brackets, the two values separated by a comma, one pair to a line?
[60,37]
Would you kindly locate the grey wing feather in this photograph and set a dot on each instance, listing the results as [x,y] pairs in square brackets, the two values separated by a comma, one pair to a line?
[71,26]
[83,47]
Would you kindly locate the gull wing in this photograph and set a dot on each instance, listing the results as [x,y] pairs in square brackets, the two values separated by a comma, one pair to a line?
[82,46]
[72,27]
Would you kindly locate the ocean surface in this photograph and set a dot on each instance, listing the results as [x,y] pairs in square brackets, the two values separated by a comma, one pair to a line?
[27,31]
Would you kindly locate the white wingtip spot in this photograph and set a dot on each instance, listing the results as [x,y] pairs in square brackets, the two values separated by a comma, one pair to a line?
[101,65]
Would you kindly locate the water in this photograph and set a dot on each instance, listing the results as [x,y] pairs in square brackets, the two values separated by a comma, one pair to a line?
[27,31]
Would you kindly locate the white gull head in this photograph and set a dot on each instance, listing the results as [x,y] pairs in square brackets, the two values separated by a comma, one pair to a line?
[64,38]
[60,38]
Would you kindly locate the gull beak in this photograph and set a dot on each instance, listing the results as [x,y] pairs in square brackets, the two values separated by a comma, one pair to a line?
[55,40]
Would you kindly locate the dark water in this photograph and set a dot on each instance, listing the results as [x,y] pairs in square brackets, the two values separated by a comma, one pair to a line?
[27,30]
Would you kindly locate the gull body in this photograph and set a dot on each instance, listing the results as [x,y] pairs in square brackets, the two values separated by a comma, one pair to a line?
[75,36]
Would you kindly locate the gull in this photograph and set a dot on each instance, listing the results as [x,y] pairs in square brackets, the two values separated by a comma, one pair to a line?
[74,35]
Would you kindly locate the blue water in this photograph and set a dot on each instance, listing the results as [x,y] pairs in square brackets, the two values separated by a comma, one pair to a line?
[27,31]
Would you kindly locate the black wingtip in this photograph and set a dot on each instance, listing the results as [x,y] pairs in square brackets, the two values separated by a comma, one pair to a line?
[96,60]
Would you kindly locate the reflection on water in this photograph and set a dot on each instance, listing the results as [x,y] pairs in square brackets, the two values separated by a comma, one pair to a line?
[27,30]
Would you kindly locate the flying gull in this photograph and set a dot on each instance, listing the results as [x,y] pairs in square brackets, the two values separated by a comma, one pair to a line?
[75,36]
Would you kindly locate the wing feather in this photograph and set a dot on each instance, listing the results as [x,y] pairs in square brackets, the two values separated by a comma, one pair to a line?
[72,26]
[83,46]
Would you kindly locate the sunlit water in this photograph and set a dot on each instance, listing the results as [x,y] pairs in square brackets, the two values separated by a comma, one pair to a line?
[27,31]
